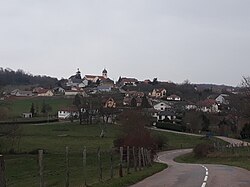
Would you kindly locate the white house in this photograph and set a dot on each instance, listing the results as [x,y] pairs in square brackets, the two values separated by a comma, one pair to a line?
[222,99]
[173,98]
[66,113]
[124,81]
[163,115]
[208,105]
[75,92]
[45,93]
[19,93]
[162,106]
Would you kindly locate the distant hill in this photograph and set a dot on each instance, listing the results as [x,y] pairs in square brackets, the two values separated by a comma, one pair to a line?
[216,88]
[19,77]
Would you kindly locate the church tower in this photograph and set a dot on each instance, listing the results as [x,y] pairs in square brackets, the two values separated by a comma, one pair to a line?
[105,73]
[78,74]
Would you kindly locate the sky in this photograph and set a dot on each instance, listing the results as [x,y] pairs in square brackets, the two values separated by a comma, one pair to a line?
[204,41]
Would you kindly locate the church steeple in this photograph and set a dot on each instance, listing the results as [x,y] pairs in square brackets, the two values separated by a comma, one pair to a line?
[105,73]
[78,74]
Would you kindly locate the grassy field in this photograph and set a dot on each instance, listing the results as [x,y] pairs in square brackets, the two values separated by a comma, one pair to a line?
[239,157]
[178,141]
[22,169]
[18,106]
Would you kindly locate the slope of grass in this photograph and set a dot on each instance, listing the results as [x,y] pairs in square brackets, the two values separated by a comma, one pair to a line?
[239,158]
[20,105]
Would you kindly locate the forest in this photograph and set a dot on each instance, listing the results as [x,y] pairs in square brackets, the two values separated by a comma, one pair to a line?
[20,77]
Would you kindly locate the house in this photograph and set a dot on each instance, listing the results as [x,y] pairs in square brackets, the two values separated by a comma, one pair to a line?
[27,115]
[75,92]
[134,94]
[127,81]
[166,115]
[19,93]
[73,82]
[222,99]
[58,91]
[95,78]
[37,89]
[190,106]
[103,88]
[173,97]
[158,93]
[68,112]
[128,101]
[45,93]
[77,81]
[208,105]
[109,103]
[162,106]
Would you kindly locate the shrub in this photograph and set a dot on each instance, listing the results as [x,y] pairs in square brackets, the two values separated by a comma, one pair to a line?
[170,126]
[160,141]
[203,149]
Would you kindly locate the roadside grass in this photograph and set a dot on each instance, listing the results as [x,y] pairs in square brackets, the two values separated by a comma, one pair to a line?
[180,141]
[133,177]
[239,157]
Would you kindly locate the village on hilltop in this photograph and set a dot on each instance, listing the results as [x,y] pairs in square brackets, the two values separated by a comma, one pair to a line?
[163,101]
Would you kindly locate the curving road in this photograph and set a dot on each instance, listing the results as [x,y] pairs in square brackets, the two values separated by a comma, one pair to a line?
[195,175]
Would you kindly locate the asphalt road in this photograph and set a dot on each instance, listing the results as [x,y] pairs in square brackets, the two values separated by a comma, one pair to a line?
[196,175]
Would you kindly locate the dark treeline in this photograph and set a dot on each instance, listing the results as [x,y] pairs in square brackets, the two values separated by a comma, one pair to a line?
[19,77]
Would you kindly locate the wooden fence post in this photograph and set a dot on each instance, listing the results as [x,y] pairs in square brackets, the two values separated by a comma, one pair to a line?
[99,163]
[41,167]
[139,158]
[67,166]
[134,157]
[84,164]
[2,172]
[111,165]
[149,156]
[143,158]
[127,159]
[120,165]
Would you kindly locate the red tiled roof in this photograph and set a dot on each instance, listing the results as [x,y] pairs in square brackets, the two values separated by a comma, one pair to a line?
[207,102]
[42,91]
[94,76]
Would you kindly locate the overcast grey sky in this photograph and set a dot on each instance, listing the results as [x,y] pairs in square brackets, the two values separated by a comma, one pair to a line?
[205,41]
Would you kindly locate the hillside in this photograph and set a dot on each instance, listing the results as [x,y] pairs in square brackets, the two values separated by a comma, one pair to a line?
[19,77]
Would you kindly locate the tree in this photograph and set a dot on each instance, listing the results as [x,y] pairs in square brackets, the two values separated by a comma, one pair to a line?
[134,131]
[245,132]
[193,121]
[155,81]
[205,123]
[133,102]
[144,102]
[3,113]
[32,109]
[245,83]
[78,103]
[46,108]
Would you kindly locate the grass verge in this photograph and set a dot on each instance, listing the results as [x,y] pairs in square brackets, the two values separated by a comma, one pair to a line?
[238,159]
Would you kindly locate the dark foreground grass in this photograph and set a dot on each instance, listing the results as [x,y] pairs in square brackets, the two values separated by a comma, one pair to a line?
[241,158]
[22,169]
[133,178]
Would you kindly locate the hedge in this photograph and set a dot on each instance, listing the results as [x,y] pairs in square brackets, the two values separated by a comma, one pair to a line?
[170,126]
